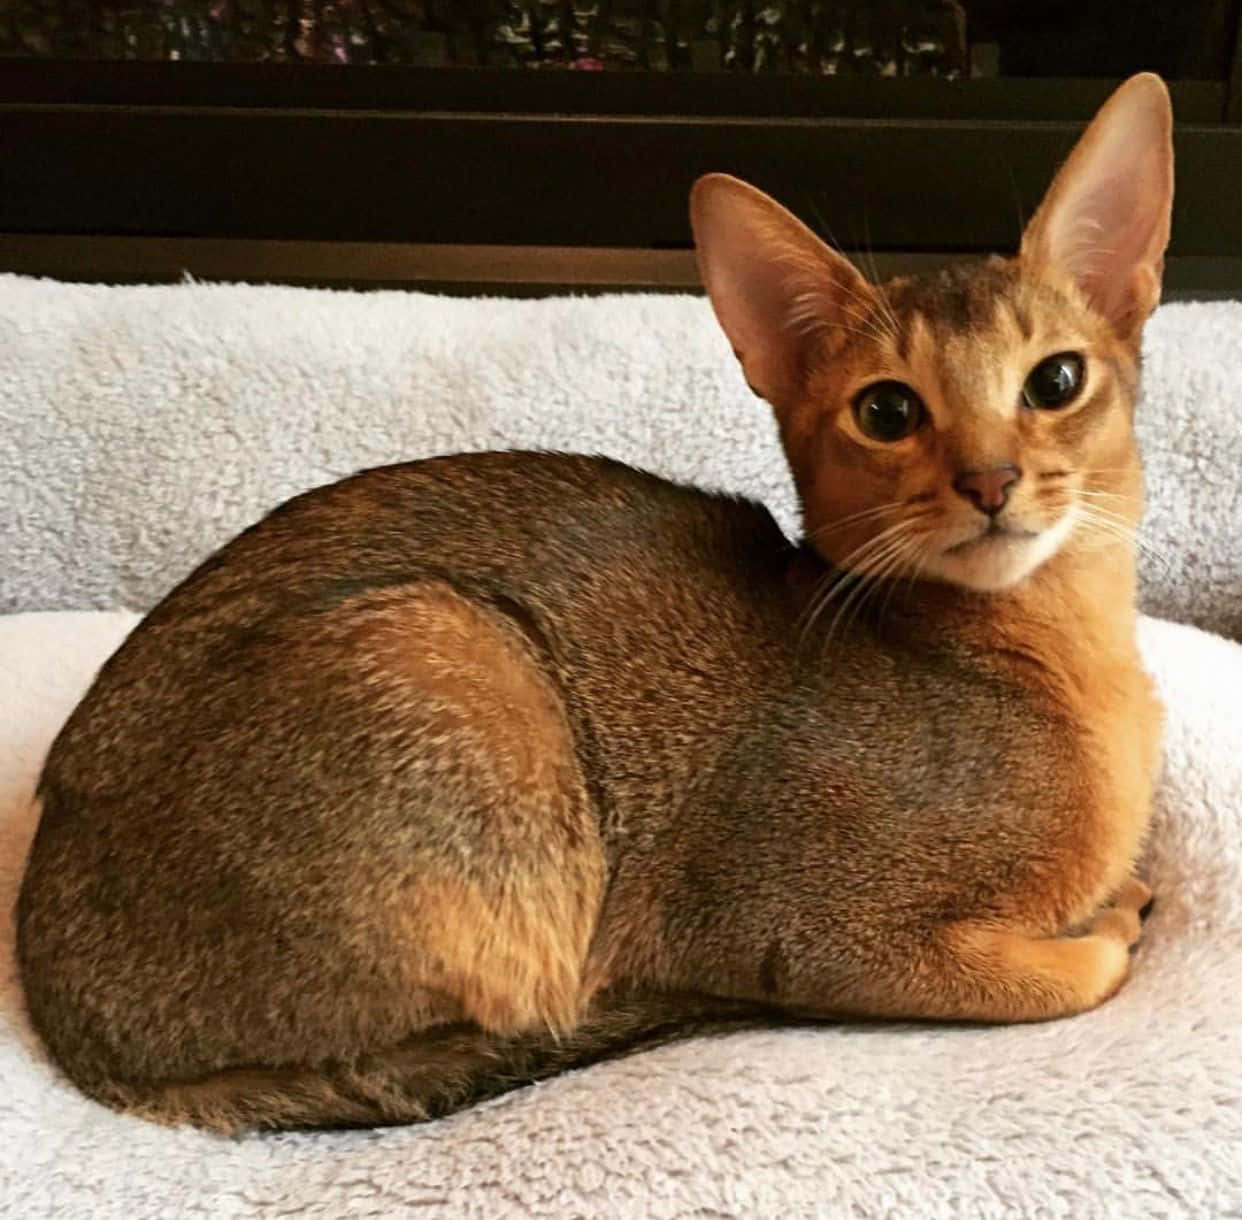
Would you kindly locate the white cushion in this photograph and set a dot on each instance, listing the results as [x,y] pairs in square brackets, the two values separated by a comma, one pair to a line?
[142,426]
[1132,1110]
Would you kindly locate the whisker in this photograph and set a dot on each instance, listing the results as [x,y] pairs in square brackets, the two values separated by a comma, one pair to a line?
[849,572]
[809,613]
[807,316]
[922,555]
[877,568]
[918,552]
[1097,512]
[830,587]
[1105,495]
[854,557]
[1017,202]
[853,518]
[919,568]
[885,304]
[856,577]
[884,319]
[881,573]
[1101,510]
[1107,524]
[842,580]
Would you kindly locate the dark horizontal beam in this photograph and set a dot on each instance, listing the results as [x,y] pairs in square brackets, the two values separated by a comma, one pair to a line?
[474,179]
[518,91]
[368,264]
[503,269]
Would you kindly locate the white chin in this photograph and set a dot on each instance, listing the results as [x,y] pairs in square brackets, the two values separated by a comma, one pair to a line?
[998,562]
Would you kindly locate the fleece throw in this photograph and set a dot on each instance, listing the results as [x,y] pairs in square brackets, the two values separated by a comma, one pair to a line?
[141,427]
[1133,1110]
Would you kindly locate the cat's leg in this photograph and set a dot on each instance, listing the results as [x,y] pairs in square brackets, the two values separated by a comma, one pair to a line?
[1125,911]
[506,871]
[980,971]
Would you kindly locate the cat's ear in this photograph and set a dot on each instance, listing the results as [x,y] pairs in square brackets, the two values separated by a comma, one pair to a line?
[774,285]
[1105,220]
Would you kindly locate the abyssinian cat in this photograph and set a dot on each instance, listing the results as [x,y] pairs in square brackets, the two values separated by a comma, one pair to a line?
[457,773]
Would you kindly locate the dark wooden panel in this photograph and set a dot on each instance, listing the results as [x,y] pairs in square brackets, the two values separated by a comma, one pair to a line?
[514,91]
[523,270]
[1233,96]
[468,179]
[362,264]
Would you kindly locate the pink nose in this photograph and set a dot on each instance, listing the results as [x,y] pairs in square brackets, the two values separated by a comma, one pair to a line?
[988,490]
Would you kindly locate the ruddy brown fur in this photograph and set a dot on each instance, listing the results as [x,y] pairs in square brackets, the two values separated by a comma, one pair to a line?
[458,773]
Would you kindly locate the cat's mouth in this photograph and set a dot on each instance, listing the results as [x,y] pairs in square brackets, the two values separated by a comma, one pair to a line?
[995,533]
[999,554]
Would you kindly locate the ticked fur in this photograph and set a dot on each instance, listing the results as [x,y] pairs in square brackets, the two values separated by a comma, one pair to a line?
[458,773]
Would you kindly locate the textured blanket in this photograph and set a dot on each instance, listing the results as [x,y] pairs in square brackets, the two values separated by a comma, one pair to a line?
[1132,1110]
[140,428]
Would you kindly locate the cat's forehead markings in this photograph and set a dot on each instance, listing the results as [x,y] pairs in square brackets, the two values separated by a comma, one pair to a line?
[956,298]
[959,329]
[1020,311]
[917,340]
[966,372]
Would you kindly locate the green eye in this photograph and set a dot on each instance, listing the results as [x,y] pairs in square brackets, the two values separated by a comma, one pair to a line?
[1054,382]
[888,411]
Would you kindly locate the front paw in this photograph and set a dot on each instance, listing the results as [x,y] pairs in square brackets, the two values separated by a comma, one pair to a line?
[1123,918]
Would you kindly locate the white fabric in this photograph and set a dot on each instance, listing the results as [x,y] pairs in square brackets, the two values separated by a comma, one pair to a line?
[1132,1110]
[141,427]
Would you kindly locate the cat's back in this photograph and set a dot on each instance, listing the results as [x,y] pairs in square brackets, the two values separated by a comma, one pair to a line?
[596,566]
[504,518]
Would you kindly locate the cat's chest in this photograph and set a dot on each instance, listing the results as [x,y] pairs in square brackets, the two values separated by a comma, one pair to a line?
[1122,724]
[1001,736]
[1095,800]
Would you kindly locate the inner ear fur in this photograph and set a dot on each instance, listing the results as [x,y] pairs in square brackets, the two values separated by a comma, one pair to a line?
[1104,222]
[775,286]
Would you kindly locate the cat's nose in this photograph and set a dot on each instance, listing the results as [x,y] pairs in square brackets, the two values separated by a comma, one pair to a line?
[988,490]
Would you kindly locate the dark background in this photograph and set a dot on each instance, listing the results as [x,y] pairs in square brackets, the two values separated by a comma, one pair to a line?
[529,145]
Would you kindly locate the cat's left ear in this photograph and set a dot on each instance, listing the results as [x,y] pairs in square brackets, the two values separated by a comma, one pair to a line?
[1105,220]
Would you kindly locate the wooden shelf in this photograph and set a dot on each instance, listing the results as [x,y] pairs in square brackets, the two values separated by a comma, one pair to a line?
[501,179]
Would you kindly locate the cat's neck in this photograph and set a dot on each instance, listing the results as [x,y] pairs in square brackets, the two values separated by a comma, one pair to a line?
[1074,618]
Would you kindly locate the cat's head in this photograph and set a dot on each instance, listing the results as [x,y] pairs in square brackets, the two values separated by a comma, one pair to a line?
[969,425]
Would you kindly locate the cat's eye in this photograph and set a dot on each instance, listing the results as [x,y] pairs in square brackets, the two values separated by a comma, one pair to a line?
[1054,382]
[888,411]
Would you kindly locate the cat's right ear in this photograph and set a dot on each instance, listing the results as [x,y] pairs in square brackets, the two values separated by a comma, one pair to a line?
[775,287]
[1105,220]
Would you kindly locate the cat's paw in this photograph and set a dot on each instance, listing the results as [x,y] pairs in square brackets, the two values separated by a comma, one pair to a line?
[1123,918]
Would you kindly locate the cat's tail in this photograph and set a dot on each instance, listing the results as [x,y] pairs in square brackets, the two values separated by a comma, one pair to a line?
[427,1076]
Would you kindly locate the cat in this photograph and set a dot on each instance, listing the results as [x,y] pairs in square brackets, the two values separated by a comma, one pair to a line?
[457,773]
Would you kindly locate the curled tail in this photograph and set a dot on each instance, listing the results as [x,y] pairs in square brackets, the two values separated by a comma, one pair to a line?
[428,1075]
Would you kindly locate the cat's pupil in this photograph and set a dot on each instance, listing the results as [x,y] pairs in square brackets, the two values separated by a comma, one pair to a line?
[888,411]
[1053,382]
